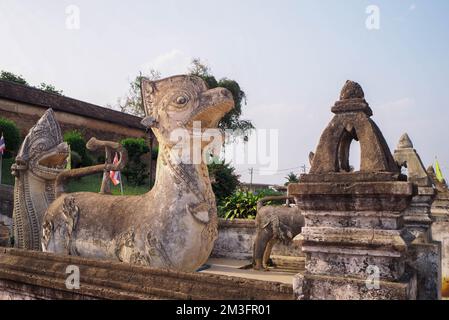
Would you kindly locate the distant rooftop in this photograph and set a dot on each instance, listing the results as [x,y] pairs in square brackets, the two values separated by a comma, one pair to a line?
[29,95]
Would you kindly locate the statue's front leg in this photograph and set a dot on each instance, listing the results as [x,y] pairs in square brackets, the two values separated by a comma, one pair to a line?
[261,241]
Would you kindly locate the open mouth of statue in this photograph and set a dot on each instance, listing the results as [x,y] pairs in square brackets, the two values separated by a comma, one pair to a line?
[210,116]
[54,161]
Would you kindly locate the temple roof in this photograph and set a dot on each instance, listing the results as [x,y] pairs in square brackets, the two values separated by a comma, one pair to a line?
[29,95]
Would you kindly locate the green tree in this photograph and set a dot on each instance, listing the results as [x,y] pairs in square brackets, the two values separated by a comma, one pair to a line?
[291,178]
[9,76]
[132,101]
[135,170]
[78,145]
[224,179]
[232,120]
[49,88]
[12,136]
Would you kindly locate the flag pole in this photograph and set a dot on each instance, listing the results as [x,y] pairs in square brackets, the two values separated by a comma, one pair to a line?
[121,182]
[1,166]
[1,162]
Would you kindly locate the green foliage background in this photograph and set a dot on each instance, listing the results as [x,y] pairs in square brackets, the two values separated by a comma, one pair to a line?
[12,136]
[78,145]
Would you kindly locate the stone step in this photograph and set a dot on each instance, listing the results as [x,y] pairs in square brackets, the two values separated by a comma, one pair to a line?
[289,263]
[38,275]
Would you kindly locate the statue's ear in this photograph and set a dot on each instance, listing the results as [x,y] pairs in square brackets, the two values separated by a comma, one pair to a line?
[147,87]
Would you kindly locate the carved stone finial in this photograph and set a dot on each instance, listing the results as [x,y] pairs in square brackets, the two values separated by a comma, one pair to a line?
[405,142]
[351,90]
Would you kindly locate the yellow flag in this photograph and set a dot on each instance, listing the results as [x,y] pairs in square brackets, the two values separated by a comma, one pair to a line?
[69,160]
[438,172]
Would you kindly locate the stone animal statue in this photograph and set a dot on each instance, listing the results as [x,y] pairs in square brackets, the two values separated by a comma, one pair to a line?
[41,158]
[273,224]
[174,225]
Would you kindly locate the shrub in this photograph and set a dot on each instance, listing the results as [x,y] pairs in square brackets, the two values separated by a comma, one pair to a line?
[76,159]
[224,180]
[135,170]
[239,205]
[78,144]
[12,136]
[243,204]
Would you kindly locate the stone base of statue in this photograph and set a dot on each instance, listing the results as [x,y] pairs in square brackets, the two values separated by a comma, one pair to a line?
[354,239]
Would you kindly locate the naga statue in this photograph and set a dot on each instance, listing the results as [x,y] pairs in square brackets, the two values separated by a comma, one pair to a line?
[41,158]
[174,225]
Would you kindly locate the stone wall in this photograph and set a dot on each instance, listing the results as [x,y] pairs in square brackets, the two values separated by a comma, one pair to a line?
[440,232]
[235,241]
[26,116]
[38,275]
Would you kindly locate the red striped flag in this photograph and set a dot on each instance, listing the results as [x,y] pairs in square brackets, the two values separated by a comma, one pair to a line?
[115,175]
[2,145]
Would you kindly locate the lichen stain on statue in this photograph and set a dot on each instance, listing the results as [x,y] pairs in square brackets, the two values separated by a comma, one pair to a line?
[172,226]
[41,158]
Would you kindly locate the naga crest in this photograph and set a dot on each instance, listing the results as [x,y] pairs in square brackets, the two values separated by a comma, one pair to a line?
[43,151]
[41,158]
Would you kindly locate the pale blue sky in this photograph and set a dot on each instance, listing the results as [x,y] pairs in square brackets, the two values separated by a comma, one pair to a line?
[291,57]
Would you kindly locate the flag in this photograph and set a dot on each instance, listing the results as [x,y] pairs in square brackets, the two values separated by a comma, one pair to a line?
[438,172]
[2,145]
[115,175]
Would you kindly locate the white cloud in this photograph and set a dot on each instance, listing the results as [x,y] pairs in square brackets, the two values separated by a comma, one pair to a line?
[169,63]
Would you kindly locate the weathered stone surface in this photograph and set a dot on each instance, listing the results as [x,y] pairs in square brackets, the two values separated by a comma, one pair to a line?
[440,226]
[41,158]
[406,156]
[319,287]
[5,235]
[274,224]
[354,220]
[173,226]
[39,275]
[426,259]
[417,216]
[352,121]
[236,241]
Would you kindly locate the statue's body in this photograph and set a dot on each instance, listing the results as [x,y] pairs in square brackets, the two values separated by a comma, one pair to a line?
[175,224]
[40,160]
[274,224]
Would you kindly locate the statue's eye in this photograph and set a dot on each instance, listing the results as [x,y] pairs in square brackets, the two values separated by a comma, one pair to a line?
[181,100]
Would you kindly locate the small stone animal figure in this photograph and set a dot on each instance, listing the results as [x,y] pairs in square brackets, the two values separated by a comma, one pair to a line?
[173,226]
[41,158]
[274,223]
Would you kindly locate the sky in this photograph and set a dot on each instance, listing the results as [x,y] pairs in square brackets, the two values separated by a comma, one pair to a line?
[290,57]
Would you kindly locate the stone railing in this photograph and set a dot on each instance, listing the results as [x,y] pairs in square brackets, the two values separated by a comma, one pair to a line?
[235,241]
[38,275]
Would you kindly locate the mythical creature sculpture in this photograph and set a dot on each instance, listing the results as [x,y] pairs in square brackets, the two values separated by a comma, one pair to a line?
[175,224]
[273,224]
[41,158]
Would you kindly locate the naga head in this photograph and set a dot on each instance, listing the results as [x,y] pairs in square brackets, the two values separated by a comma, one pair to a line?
[43,151]
[182,102]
